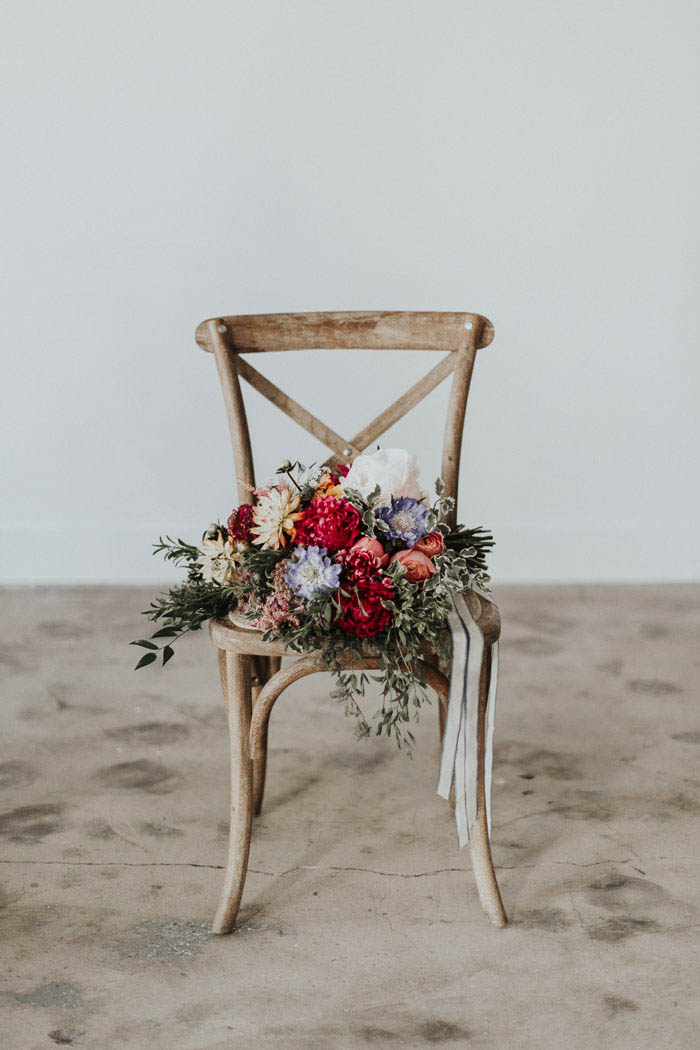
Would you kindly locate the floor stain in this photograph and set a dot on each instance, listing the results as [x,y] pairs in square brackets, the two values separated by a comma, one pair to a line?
[31,823]
[16,774]
[557,765]
[155,733]
[63,630]
[157,940]
[65,1036]
[142,774]
[534,646]
[100,829]
[372,1034]
[616,891]
[442,1031]
[618,1005]
[673,804]
[652,687]
[653,630]
[690,736]
[549,919]
[160,830]
[55,993]
[620,928]
[612,667]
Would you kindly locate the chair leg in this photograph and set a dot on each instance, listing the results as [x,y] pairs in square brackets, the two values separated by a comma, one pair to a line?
[479,841]
[272,666]
[235,673]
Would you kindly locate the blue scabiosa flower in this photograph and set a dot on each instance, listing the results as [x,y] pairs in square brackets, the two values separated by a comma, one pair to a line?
[406,519]
[312,573]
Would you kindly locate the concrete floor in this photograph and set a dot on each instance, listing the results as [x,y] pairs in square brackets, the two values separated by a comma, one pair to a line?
[360,925]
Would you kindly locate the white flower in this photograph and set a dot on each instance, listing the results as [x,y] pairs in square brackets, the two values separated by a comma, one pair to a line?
[217,559]
[394,470]
[274,514]
[310,477]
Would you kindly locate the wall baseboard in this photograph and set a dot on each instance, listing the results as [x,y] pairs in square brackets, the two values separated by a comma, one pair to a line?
[556,553]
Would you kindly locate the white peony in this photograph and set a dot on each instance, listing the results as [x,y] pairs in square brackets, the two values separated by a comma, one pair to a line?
[394,470]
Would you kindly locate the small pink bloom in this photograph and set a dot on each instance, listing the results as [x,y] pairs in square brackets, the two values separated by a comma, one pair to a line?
[418,567]
[365,543]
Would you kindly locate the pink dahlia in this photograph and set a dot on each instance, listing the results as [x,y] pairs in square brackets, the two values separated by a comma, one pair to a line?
[331,523]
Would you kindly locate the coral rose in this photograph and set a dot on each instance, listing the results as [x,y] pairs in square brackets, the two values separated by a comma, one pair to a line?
[366,543]
[431,545]
[417,565]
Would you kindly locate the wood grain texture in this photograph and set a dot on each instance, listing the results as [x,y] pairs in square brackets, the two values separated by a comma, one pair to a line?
[236,682]
[347,330]
[227,367]
[454,421]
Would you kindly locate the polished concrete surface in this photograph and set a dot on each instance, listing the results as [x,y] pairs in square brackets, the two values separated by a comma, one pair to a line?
[360,924]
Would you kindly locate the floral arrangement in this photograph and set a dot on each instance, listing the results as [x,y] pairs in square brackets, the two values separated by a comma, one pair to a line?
[331,559]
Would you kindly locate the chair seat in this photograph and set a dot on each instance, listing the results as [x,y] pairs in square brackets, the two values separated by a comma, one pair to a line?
[248,641]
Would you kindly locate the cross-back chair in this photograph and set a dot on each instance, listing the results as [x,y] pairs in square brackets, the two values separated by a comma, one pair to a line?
[252,678]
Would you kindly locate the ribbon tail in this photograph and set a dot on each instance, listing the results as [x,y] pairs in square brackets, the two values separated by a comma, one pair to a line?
[459,759]
[460,644]
[471,706]
[490,721]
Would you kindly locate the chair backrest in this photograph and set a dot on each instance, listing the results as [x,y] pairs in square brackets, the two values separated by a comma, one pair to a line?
[459,334]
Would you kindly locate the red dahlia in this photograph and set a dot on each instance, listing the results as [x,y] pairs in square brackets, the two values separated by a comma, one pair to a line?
[331,523]
[359,564]
[361,598]
[238,525]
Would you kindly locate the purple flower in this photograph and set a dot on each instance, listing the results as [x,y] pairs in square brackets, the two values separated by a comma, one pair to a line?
[405,519]
[312,573]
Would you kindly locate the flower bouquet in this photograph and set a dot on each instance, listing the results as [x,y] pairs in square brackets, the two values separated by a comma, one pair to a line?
[331,559]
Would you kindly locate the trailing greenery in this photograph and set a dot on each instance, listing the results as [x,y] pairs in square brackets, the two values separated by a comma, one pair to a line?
[417,610]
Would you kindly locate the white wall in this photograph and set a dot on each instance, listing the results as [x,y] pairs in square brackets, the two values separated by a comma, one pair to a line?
[168,161]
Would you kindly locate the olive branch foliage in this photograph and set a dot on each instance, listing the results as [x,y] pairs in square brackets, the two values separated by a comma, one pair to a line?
[418,623]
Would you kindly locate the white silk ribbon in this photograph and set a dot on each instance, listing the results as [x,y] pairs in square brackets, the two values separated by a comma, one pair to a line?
[459,759]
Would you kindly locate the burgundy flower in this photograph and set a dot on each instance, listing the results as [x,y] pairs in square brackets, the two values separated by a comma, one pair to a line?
[331,523]
[363,590]
[359,564]
[343,469]
[361,600]
[239,523]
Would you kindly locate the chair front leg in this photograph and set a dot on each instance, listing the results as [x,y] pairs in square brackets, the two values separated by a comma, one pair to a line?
[479,840]
[235,671]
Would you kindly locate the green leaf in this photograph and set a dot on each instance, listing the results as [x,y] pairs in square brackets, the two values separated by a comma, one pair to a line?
[168,652]
[144,644]
[146,659]
[164,632]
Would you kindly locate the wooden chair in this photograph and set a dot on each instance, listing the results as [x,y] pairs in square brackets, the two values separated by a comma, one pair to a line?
[251,676]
